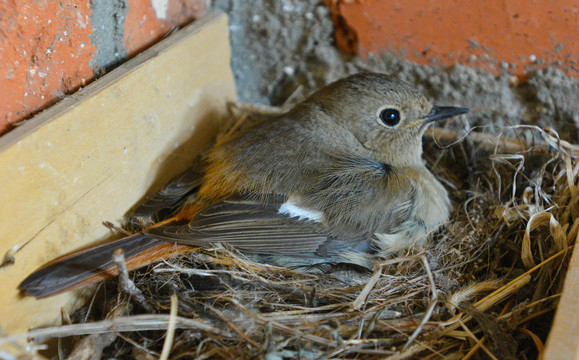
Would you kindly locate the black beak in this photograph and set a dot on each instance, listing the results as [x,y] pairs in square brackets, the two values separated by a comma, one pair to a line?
[443,112]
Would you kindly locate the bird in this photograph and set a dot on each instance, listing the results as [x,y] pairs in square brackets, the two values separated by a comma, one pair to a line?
[339,178]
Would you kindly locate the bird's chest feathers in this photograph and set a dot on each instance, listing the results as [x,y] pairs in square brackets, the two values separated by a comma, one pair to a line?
[431,205]
[428,208]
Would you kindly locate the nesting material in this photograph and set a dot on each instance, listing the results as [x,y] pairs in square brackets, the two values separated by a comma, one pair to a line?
[487,283]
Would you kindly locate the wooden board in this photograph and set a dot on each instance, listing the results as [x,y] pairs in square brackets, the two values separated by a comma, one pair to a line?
[563,341]
[95,154]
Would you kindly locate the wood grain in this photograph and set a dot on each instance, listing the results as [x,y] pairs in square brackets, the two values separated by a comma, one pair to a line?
[95,154]
[563,341]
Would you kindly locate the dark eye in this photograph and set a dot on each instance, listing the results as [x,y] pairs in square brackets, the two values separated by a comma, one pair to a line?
[390,117]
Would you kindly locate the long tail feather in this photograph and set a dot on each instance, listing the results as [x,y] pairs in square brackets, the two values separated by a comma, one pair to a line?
[89,266]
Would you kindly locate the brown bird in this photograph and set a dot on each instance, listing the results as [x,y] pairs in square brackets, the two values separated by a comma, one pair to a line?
[337,179]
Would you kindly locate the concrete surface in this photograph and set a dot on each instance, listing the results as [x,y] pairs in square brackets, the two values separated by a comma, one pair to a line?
[280,46]
[519,35]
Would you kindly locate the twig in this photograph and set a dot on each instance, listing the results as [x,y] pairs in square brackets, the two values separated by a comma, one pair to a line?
[514,284]
[233,327]
[115,229]
[492,142]
[92,346]
[361,299]
[474,349]
[476,340]
[126,284]
[501,293]
[279,326]
[168,343]
[119,324]
[430,308]
[439,354]
[486,141]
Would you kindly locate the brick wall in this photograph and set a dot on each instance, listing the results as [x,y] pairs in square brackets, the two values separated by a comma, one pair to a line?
[513,35]
[49,49]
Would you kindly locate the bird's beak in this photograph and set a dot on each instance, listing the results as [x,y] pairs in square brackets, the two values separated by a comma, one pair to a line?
[443,112]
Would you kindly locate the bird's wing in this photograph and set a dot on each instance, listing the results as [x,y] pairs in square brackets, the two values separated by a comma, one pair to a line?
[254,225]
[174,192]
[360,194]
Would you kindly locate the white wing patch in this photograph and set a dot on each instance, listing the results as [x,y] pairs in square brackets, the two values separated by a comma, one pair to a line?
[290,208]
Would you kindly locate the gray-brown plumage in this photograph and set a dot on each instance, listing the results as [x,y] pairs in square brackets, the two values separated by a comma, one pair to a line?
[337,178]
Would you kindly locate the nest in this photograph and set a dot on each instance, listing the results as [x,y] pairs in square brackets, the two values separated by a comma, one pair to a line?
[486,284]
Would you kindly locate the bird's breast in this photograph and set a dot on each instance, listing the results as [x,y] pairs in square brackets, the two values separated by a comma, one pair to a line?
[428,209]
[432,205]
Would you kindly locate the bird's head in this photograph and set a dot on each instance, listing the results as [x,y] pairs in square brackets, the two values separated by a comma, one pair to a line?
[386,115]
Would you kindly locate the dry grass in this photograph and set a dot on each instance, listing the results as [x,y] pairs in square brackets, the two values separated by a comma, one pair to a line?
[487,285]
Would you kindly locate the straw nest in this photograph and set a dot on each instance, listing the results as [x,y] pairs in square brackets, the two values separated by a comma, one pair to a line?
[486,285]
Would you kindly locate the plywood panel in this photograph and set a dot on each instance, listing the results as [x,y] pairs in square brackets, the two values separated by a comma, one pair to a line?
[563,341]
[94,155]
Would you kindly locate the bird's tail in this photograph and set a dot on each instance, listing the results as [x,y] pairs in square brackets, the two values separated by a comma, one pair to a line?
[89,266]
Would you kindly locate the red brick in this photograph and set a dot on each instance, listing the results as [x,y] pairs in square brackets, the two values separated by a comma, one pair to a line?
[511,31]
[45,47]
[143,27]
[44,54]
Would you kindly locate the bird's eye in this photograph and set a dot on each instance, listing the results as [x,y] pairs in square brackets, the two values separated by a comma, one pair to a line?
[390,117]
